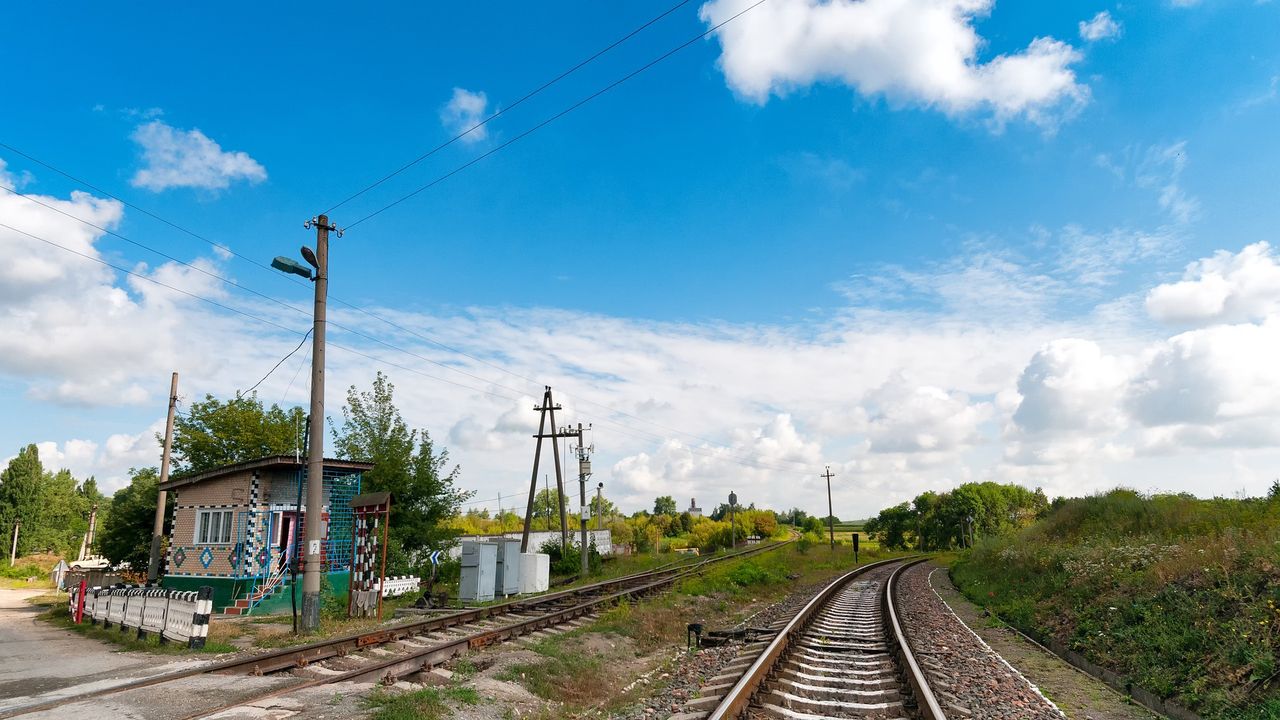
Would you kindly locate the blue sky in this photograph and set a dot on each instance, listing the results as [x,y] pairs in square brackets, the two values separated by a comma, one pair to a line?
[824,201]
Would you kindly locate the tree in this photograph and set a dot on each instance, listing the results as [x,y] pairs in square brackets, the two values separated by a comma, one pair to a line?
[216,433]
[20,497]
[125,534]
[665,505]
[891,526]
[407,465]
[546,510]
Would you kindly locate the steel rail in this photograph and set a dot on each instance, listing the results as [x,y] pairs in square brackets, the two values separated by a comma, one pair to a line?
[303,655]
[735,702]
[389,670]
[926,703]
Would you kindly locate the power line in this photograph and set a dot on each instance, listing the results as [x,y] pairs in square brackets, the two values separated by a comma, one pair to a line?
[558,115]
[512,106]
[286,357]
[140,276]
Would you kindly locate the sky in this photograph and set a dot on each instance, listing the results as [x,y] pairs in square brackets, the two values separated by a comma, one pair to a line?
[922,242]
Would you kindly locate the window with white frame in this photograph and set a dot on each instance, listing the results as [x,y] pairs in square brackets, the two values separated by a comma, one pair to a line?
[213,527]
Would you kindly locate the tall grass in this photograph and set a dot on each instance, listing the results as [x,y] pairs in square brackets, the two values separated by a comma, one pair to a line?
[1178,594]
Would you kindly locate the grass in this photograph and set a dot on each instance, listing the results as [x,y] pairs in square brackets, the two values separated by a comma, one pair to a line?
[722,596]
[1181,596]
[431,703]
[126,640]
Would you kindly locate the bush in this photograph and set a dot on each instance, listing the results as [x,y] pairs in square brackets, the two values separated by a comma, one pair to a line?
[19,572]
[570,562]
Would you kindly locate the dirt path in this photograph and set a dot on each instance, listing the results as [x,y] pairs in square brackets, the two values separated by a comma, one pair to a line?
[1079,696]
[39,661]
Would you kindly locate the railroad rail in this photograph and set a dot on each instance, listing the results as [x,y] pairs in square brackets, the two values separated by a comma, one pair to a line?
[418,644]
[844,654]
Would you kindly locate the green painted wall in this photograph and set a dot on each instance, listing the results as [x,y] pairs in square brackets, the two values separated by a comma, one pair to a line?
[223,588]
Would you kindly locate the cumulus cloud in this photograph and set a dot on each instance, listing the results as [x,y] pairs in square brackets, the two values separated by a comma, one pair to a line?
[464,109]
[1101,27]
[1227,287]
[188,158]
[915,51]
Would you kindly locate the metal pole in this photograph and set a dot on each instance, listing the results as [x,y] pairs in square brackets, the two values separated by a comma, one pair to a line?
[157,531]
[315,451]
[600,506]
[583,470]
[831,518]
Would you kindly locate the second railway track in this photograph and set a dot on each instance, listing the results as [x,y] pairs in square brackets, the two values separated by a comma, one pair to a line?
[389,653]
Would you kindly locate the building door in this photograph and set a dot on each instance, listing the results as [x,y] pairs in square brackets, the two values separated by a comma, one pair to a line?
[288,527]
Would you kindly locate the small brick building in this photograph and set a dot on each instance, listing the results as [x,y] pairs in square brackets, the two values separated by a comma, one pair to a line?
[239,528]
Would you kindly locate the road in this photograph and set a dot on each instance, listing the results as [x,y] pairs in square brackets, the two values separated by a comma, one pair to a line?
[39,661]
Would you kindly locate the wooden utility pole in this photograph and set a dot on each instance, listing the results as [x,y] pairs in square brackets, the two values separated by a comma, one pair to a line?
[157,529]
[831,518]
[314,521]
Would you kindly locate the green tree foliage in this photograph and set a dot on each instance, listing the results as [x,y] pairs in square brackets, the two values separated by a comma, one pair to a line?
[939,521]
[52,506]
[214,433]
[125,536]
[665,505]
[546,510]
[406,464]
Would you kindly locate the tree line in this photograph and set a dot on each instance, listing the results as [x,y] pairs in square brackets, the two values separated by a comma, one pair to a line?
[955,518]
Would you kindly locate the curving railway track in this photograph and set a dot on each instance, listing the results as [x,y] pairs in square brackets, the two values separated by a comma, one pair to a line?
[390,653]
[843,655]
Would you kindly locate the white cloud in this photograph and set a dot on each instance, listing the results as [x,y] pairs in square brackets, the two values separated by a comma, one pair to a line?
[1101,27]
[1228,287]
[910,51]
[464,109]
[188,158]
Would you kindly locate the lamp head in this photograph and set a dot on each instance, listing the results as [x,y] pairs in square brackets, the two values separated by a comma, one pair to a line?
[310,257]
[289,265]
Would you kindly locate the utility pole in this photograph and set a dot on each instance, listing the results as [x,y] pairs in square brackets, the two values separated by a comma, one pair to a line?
[13,553]
[315,450]
[584,470]
[548,410]
[157,530]
[86,543]
[831,517]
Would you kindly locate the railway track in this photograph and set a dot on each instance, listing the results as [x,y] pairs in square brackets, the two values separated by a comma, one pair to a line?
[390,653]
[843,655]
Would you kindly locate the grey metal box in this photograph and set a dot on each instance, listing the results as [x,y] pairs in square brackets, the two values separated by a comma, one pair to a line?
[508,580]
[479,570]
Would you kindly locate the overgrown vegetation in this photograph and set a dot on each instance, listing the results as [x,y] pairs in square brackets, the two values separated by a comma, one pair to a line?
[429,703]
[1179,595]
[946,520]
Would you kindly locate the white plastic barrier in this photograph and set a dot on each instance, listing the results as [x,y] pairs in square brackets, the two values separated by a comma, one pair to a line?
[399,585]
[176,615]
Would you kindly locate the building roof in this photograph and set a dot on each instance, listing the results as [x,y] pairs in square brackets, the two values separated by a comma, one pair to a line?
[274,462]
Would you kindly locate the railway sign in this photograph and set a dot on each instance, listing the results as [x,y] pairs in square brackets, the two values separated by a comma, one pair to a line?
[435,556]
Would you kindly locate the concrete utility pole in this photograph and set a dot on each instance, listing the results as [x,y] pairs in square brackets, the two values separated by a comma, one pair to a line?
[584,471]
[831,518]
[86,543]
[13,553]
[157,530]
[548,410]
[315,451]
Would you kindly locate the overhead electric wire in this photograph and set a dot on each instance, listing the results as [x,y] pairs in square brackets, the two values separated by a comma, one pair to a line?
[583,400]
[511,106]
[286,357]
[558,115]
[152,280]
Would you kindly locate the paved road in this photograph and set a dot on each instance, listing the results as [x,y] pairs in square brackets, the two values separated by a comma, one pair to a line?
[41,662]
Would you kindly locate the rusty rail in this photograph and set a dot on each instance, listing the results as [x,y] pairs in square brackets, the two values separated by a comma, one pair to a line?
[926,703]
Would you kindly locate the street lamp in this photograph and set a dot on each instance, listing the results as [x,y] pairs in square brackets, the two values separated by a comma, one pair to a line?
[733,520]
[319,260]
